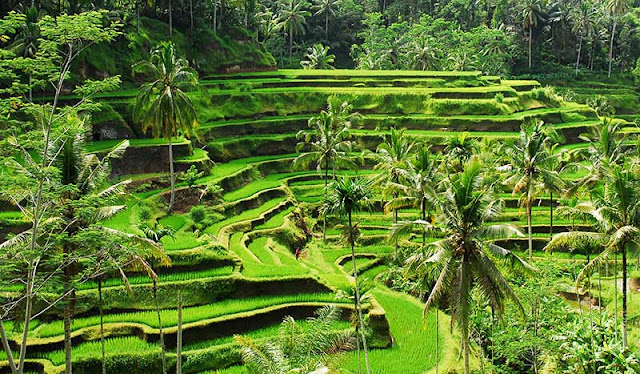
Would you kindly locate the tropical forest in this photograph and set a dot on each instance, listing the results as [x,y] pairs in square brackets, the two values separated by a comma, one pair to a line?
[319,186]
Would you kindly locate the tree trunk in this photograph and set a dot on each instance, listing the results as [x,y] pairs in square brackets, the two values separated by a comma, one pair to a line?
[424,218]
[357,289]
[358,347]
[100,307]
[157,305]
[529,228]
[326,26]
[613,33]
[615,293]
[530,43]
[578,58]
[69,306]
[550,214]
[191,13]
[324,215]
[437,342]
[624,298]
[138,16]
[7,349]
[465,350]
[215,17]
[290,44]
[170,21]
[179,337]
[172,177]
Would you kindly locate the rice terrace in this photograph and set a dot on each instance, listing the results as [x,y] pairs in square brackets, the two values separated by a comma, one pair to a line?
[337,186]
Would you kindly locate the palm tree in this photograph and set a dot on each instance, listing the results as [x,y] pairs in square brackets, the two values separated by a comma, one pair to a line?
[423,55]
[162,105]
[27,40]
[459,150]
[581,17]
[531,167]
[465,253]
[328,141]
[617,8]
[297,349]
[531,15]
[392,158]
[293,18]
[326,7]
[418,189]
[350,195]
[318,57]
[617,214]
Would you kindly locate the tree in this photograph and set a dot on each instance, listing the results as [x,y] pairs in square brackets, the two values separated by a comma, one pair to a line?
[617,214]
[297,349]
[392,158]
[62,40]
[326,7]
[350,195]
[582,18]
[465,254]
[459,150]
[318,57]
[616,8]
[293,18]
[530,159]
[162,105]
[328,142]
[531,15]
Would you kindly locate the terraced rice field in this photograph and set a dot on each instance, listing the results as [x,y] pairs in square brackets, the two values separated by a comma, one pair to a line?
[241,257]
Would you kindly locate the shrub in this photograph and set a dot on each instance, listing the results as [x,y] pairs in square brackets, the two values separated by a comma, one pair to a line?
[197,213]
[499,97]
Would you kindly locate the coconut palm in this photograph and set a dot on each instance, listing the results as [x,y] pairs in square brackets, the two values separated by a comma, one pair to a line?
[617,9]
[162,105]
[459,150]
[318,57]
[531,15]
[328,142]
[293,19]
[532,169]
[350,195]
[464,255]
[27,40]
[418,189]
[617,214]
[393,159]
[328,8]
[581,17]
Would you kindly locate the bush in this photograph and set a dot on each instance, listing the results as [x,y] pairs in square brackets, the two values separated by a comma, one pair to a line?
[198,213]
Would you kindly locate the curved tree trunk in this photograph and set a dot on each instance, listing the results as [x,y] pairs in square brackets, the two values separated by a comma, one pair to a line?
[326,26]
[579,52]
[613,33]
[7,349]
[172,176]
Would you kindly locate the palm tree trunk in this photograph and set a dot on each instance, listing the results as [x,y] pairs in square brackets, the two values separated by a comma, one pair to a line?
[465,350]
[170,21]
[172,177]
[615,292]
[7,349]
[578,58]
[358,347]
[104,362]
[551,214]
[437,342]
[137,16]
[215,17]
[613,33]
[624,298]
[529,229]
[395,220]
[290,43]
[157,305]
[424,218]
[530,44]
[324,215]
[357,288]
[191,13]
[179,337]
[326,26]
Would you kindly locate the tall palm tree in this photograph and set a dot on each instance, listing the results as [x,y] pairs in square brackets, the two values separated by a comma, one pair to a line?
[617,8]
[293,19]
[531,167]
[393,159]
[162,105]
[459,150]
[464,255]
[350,195]
[418,189]
[581,17]
[328,8]
[328,142]
[531,15]
[617,214]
